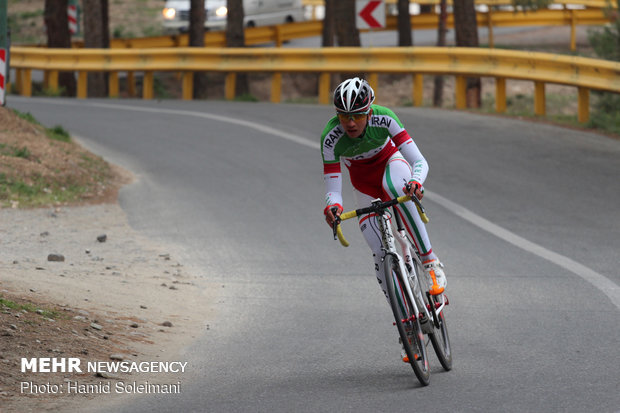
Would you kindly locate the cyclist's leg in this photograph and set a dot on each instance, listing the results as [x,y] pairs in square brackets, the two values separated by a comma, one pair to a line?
[397,174]
[372,235]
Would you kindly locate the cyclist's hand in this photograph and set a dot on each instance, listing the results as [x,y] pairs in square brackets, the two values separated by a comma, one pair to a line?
[330,216]
[414,188]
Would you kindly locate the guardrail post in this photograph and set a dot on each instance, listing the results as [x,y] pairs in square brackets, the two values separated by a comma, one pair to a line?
[461,92]
[113,85]
[500,95]
[373,80]
[583,104]
[17,81]
[276,87]
[418,90]
[539,99]
[25,87]
[229,85]
[51,80]
[147,85]
[187,80]
[82,86]
[324,88]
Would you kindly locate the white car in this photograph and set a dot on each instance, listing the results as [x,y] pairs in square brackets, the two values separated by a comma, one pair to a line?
[257,13]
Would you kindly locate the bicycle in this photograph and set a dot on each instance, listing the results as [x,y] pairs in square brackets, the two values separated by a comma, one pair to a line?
[418,317]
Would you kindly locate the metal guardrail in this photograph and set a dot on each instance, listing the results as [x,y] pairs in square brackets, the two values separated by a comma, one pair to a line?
[541,68]
[278,34]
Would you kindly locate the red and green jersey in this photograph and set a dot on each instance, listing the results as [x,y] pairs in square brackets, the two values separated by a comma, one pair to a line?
[383,135]
[366,156]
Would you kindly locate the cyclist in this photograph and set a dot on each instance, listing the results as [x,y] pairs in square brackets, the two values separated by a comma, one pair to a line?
[383,162]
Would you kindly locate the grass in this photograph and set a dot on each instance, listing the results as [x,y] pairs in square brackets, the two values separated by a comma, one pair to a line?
[9,150]
[58,133]
[40,192]
[26,116]
[12,305]
[36,190]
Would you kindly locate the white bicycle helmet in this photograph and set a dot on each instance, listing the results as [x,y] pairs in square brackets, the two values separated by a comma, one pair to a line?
[353,95]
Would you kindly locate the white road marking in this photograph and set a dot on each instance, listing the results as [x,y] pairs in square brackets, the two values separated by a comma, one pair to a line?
[608,287]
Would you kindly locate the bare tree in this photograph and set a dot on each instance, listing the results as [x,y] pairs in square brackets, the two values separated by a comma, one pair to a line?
[58,36]
[235,37]
[105,23]
[405,37]
[344,19]
[96,36]
[328,24]
[441,42]
[466,29]
[197,18]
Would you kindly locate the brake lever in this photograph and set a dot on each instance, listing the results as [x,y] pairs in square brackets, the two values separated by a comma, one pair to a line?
[418,204]
[336,222]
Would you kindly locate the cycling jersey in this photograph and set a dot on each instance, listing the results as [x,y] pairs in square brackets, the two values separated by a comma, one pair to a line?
[367,155]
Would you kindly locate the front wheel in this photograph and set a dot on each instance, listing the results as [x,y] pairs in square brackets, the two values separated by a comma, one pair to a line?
[440,338]
[408,325]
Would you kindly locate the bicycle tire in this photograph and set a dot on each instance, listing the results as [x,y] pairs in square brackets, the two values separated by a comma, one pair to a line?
[403,310]
[440,337]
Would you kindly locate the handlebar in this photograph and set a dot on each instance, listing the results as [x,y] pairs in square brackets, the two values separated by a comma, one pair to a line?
[377,207]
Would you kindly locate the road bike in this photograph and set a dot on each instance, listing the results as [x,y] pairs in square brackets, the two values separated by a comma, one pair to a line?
[418,304]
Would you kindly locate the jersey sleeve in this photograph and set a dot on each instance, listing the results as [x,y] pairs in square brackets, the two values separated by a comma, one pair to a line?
[332,173]
[407,147]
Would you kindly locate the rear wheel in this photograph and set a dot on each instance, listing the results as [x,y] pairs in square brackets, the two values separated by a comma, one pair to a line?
[407,324]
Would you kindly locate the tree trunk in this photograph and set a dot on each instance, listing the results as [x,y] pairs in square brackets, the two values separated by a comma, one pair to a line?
[329,31]
[617,23]
[328,24]
[344,19]
[466,29]
[58,36]
[105,23]
[346,30]
[235,37]
[197,18]
[441,42]
[95,35]
[405,37]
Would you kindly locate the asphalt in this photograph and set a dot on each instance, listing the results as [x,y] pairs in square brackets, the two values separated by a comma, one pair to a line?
[300,323]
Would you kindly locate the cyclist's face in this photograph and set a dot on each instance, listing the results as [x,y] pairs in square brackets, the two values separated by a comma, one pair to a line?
[354,123]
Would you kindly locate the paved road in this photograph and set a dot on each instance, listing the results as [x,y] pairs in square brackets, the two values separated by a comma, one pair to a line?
[525,216]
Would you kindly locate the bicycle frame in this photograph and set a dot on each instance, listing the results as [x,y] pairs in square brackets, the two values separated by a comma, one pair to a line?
[389,247]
